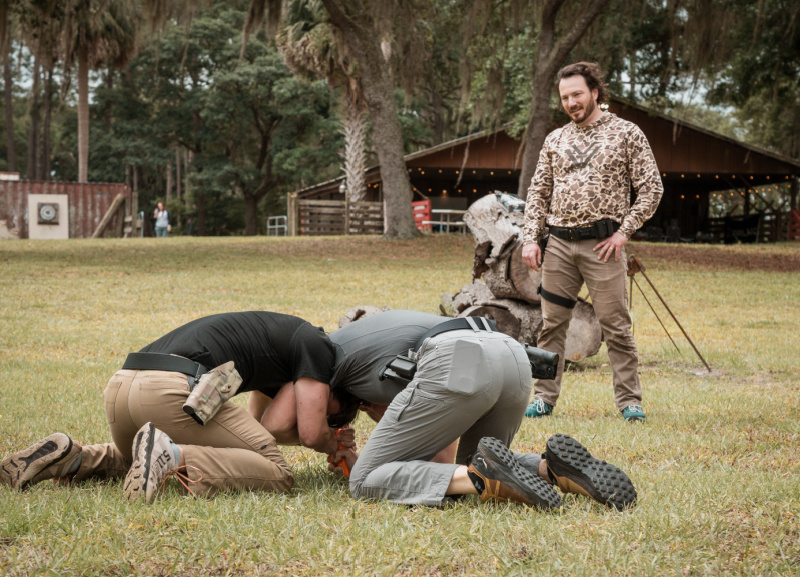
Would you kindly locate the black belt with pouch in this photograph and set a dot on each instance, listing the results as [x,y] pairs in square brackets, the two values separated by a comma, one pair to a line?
[599,230]
[164,362]
[402,368]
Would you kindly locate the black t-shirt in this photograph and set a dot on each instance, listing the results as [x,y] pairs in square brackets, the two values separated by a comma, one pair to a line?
[268,349]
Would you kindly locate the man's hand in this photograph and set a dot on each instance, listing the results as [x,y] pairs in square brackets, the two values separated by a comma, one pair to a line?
[611,245]
[346,436]
[350,457]
[532,256]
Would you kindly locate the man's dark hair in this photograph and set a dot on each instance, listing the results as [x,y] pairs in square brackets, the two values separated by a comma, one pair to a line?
[591,73]
[348,409]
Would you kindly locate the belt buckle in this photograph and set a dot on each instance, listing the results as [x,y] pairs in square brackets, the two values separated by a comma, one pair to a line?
[572,235]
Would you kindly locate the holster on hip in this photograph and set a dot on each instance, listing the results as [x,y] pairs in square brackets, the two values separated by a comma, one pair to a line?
[211,391]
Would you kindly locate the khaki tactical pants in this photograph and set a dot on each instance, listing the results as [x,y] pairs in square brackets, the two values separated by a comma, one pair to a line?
[232,451]
[566,266]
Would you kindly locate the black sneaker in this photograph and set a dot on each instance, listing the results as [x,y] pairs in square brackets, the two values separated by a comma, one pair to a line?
[574,470]
[498,477]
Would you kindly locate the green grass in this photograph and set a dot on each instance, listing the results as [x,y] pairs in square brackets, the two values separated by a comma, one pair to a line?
[716,464]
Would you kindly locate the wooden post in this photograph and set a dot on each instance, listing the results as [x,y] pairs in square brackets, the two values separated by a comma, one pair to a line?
[291,210]
[115,206]
[347,212]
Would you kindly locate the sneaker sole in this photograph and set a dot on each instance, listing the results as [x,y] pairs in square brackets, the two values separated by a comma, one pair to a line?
[139,473]
[18,469]
[606,483]
[536,491]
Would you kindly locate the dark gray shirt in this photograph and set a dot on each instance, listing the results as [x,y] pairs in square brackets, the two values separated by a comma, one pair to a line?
[364,347]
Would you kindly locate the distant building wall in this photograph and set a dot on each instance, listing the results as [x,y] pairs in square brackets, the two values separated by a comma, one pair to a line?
[88,202]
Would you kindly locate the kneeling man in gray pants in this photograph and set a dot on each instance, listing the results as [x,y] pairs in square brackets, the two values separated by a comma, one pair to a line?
[471,384]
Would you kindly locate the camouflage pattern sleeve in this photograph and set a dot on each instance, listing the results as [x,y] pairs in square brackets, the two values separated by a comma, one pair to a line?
[646,182]
[539,194]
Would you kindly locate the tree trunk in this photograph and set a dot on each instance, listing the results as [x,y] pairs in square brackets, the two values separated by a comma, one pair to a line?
[83,116]
[550,56]
[8,101]
[251,214]
[48,112]
[200,198]
[168,187]
[359,32]
[355,157]
[178,173]
[32,170]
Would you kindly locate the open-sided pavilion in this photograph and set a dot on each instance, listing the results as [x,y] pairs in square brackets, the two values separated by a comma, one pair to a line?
[695,164]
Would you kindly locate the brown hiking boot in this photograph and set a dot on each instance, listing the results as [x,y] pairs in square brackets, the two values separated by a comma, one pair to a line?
[51,458]
[497,476]
[574,470]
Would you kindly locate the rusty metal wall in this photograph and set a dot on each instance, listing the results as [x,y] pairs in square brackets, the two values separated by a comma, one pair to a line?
[88,203]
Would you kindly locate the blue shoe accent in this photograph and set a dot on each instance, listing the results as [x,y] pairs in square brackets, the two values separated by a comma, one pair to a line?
[538,408]
[634,413]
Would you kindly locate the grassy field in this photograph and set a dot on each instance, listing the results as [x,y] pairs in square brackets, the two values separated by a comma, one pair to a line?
[716,463]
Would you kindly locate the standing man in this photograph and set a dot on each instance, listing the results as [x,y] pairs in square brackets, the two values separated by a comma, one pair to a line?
[162,220]
[581,190]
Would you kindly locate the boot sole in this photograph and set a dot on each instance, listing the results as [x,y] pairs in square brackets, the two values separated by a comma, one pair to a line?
[606,483]
[136,479]
[535,491]
[18,469]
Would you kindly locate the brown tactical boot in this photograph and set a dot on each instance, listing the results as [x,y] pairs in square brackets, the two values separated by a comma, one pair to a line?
[53,457]
[574,470]
[497,476]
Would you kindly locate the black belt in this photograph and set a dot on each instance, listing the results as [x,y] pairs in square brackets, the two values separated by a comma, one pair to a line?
[599,230]
[480,323]
[163,362]
[403,368]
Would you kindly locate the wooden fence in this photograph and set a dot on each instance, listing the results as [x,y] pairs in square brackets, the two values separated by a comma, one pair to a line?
[88,204]
[334,217]
[757,227]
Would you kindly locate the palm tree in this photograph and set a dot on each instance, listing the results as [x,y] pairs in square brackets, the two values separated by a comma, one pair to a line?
[95,33]
[361,27]
[310,47]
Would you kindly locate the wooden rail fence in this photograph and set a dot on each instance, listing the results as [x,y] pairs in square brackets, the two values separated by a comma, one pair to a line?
[334,217]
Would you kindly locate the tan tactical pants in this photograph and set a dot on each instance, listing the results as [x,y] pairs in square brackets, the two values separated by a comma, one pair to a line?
[566,266]
[232,451]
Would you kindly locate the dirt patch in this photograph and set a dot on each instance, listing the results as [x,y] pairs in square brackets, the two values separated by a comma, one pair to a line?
[768,258]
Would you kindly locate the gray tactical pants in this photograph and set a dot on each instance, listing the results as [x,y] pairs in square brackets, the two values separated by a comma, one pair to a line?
[468,385]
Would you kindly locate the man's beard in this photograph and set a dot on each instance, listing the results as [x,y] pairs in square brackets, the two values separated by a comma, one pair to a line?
[587,112]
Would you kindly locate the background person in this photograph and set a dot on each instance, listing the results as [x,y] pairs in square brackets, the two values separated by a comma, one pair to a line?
[162,225]
[581,190]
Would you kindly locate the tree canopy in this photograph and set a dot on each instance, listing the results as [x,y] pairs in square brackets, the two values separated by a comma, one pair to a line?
[193,102]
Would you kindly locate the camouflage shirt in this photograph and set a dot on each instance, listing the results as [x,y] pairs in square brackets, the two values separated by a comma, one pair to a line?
[585,174]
